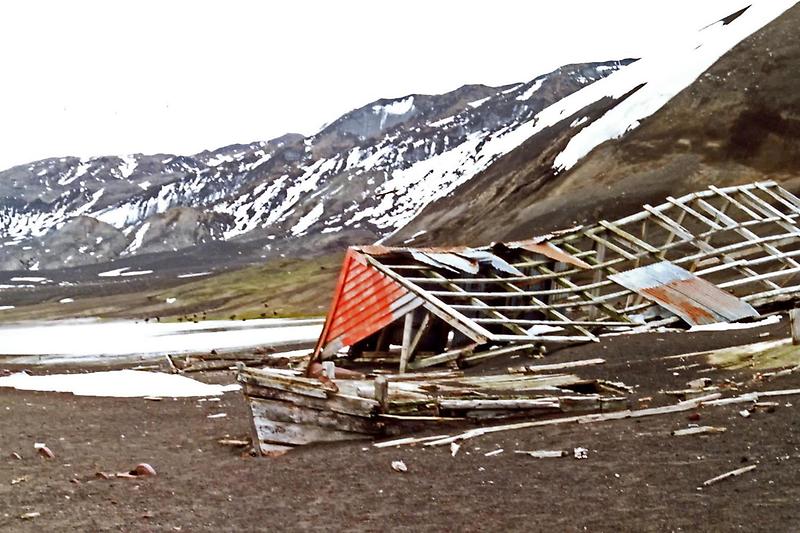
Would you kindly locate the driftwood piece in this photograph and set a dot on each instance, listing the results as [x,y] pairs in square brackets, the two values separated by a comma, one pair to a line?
[699,430]
[406,440]
[531,369]
[726,475]
[543,454]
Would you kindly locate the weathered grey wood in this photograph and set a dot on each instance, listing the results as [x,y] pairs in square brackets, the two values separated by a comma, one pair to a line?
[543,454]
[423,329]
[287,433]
[281,411]
[452,355]
[583,419]
[531,369]
[489,354]
[406,440]
[726,475]
[535,403]
[794,325]
[405,352]
[339,404]
[381,385]
[699,430]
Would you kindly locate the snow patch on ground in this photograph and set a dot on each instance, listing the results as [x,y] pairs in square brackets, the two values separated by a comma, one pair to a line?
[88,340]
[731,326]
[117,384]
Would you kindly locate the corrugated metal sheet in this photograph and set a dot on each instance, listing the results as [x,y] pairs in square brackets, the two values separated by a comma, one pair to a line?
[365,301]
[678,290]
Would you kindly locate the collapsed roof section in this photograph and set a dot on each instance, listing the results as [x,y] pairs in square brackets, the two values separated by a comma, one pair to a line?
[705,257]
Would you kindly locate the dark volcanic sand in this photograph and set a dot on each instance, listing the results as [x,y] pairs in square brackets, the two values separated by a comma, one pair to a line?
[637,477]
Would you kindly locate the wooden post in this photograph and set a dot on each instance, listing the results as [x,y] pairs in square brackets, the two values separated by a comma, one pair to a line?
[382,391]
[329,368]
[794,324]
[405,352]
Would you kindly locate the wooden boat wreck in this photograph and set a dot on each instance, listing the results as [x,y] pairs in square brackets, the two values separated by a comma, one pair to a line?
[289,409]
[717,255]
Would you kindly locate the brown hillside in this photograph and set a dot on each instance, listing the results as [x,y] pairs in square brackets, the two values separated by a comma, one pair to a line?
[738,122]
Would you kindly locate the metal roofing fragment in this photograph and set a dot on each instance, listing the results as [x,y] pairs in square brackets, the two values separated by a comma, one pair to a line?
[693,299]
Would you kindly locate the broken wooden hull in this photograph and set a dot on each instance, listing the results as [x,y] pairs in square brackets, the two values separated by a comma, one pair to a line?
[289,410]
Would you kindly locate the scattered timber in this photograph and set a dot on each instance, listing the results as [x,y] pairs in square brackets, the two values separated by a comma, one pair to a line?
[289,409]
[726,475]
[695,260]
[710,400]
[543,454]
[699,430]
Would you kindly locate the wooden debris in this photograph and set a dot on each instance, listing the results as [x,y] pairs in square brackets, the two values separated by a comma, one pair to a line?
[30,516]
[234,442]
[543,454]
[794,325]
[18,480]
[726,475]
[406,440]
[531,369]
[698,430]
[493,452]
[687,405]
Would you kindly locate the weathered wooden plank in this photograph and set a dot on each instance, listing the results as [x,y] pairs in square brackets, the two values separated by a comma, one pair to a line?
[726,475]
[530,369]
[452,355]
[698,430]
[282,411]
[534,403]
[339,404]
[405,352]
[273,432]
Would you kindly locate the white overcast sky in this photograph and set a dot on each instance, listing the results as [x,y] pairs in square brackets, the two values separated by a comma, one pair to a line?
[115,77]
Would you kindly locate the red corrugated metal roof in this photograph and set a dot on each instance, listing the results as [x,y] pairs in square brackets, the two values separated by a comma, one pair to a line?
[365,301]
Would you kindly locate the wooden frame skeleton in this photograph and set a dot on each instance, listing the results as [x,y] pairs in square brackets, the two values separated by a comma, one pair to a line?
[418,307]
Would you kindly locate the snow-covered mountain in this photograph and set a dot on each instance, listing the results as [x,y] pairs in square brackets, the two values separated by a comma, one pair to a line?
[476,164]
[370,172]
[717,107]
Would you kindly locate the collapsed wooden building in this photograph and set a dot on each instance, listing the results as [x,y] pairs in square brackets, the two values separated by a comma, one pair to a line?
[705,257]
[718,255]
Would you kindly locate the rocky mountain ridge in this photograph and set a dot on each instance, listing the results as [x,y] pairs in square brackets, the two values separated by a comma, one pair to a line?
[367,174]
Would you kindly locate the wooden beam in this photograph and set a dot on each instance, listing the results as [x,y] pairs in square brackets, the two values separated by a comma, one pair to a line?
[405,352]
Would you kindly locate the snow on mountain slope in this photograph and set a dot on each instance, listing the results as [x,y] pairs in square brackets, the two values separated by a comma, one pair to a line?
[377,167]
[717,107]
[370,172]
[661,77]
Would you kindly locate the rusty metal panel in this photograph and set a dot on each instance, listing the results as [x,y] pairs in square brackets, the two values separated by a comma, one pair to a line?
[691,298]
[548,249]
[365,301]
